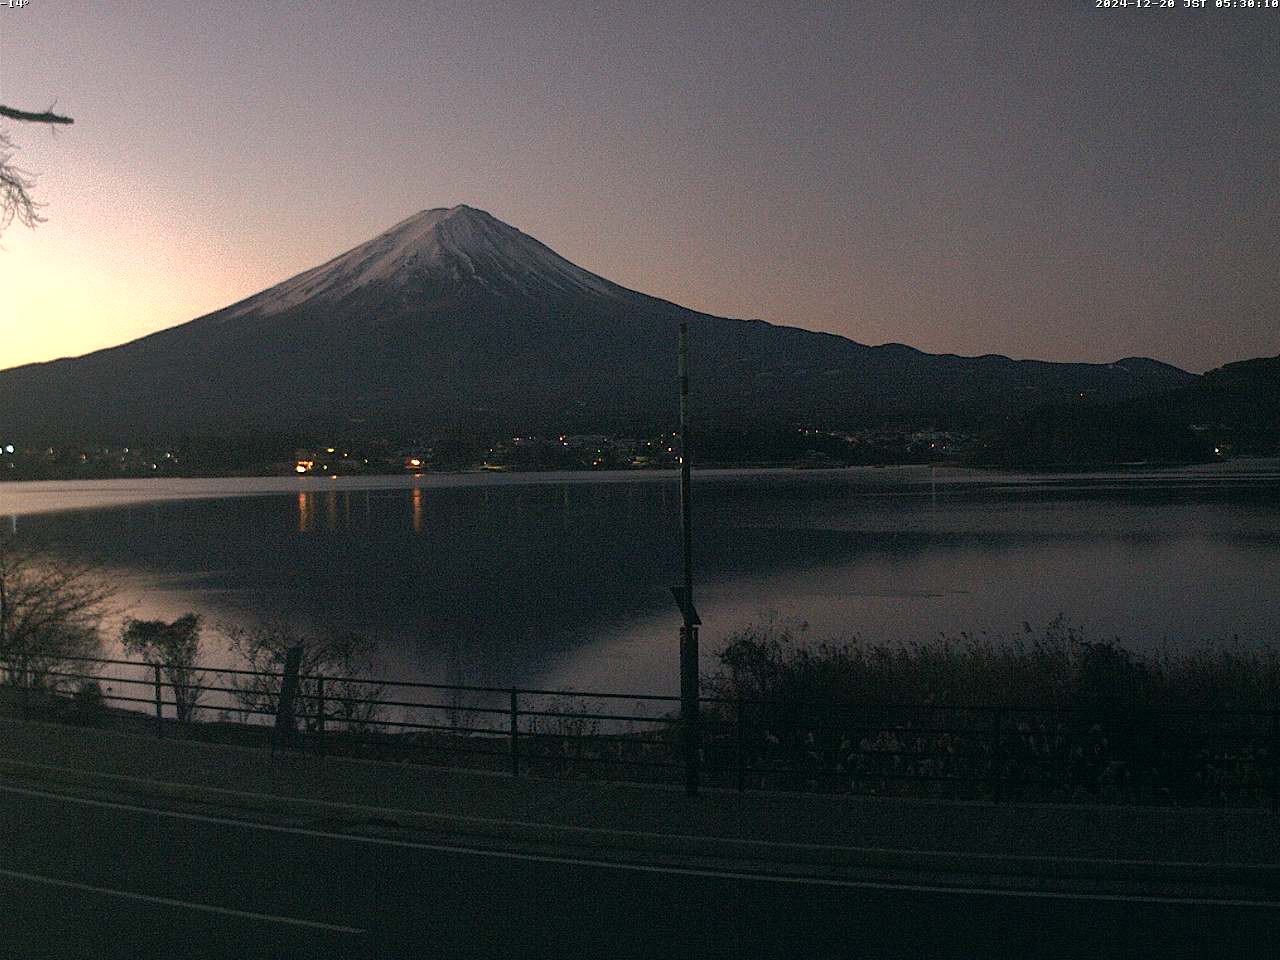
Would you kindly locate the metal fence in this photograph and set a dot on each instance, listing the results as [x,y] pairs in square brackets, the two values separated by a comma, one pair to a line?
[988,752]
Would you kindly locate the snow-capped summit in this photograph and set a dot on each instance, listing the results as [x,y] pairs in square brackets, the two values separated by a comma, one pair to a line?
[441,247]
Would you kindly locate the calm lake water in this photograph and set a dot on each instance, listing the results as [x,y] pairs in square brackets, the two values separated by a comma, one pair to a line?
[560,580]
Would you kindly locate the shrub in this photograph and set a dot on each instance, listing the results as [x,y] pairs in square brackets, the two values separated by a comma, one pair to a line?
[87,704]
[1072,710]
[175,648]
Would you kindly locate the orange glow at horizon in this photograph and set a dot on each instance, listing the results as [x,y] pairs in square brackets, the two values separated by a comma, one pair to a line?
[73,292]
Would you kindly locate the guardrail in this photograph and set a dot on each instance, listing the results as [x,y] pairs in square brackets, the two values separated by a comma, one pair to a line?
[984,752]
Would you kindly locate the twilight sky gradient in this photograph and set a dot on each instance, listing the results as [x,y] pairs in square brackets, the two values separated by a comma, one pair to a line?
[1040,179]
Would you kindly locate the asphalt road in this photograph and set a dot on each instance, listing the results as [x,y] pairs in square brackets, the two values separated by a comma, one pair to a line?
[92,878]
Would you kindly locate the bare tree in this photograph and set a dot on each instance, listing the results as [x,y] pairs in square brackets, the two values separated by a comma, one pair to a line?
[175,649]
[341,660]
[51,610]
[16,183]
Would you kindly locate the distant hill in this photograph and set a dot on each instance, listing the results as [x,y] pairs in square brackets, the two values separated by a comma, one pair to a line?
[455,319]
[1233,410]
[1242,398]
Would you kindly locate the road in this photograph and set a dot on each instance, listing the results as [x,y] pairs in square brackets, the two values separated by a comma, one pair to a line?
[93,877]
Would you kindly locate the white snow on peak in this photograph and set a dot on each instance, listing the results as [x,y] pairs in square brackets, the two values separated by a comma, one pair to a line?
[444,244]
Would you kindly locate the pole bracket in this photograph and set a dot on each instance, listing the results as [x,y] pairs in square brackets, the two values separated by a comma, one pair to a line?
[683,601]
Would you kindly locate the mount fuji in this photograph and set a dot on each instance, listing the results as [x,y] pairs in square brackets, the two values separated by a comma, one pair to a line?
[454,318]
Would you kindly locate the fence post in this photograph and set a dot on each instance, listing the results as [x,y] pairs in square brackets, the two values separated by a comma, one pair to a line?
[159,702]
[740,751]
[515,732]
[320,712]
[997,756]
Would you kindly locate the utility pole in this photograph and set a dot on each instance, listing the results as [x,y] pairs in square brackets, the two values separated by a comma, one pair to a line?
[689,713]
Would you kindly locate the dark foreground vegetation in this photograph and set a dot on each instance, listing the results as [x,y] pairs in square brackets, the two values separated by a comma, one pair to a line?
[1058,666]
[1045,715]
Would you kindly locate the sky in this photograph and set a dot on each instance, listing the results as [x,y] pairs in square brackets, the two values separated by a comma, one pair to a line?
[1039,179]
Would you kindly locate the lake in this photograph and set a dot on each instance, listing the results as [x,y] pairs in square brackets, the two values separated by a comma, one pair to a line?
[561,580]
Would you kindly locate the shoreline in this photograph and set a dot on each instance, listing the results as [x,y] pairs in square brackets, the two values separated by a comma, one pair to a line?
[20,498]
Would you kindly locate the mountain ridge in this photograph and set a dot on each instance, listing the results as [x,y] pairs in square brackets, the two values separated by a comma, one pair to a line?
[452,316]
[1231,410]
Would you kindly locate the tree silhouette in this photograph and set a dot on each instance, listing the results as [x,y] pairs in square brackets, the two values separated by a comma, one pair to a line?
[16,183]
[50,611]
[175,649]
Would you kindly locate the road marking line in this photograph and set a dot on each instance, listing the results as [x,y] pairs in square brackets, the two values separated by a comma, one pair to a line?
[625,866]
[170,902]
[647,834]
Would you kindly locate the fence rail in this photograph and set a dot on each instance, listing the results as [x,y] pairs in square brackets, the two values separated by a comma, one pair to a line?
[997,752]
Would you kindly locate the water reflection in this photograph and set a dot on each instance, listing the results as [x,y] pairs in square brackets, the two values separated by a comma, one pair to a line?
[337,510]
[565,581]
[304,512]
[336,507]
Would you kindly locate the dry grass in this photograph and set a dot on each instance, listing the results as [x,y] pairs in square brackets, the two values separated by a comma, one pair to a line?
[1057,666]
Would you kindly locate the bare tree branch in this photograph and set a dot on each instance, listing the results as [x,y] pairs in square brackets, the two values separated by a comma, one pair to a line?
[16,183]
[48,116]
[50,612]
[15,191]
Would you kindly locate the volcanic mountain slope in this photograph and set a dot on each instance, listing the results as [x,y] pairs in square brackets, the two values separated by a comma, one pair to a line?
[454,318]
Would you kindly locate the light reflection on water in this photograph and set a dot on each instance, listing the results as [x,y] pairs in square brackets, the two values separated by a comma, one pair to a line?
[562,580]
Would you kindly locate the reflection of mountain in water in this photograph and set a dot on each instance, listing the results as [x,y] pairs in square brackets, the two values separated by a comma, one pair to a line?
[490,583]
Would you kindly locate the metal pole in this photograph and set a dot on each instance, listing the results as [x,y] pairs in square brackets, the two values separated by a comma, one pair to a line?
[686,517]
[321,708]
[159,703]
[689,632]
